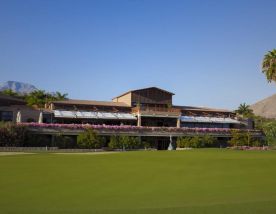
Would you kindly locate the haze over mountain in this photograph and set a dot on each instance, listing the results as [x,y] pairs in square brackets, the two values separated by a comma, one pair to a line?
[266,107]
[18,87]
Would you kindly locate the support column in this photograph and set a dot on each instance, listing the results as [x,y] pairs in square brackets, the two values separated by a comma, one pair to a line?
[139,122]
[53,140]
[178,122]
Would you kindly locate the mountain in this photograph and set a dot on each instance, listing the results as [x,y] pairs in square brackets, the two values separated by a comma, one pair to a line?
[19,87]
[266,107]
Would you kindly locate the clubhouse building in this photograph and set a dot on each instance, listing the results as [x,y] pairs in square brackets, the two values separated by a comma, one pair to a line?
[148,113]
[151,107]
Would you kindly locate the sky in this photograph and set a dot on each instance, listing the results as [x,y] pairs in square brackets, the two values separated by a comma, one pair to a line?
[208,53]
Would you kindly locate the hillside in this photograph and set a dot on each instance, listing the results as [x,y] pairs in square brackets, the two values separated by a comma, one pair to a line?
[266,107]
[19,87]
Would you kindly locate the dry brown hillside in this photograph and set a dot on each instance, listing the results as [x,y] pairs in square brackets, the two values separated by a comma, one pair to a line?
[265,108]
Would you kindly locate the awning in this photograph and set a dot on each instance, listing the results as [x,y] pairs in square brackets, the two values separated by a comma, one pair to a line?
[93,115]
[208,119]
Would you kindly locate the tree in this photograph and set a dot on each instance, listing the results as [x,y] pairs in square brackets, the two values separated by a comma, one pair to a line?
[195,141]
[269,65]
[244,110]
[125,142]
[208,140]
[89,139]
[39,98]
[114,142]
[244,138]
[180,142]
[134,143]
[10,92]
[269,129]
[59,96]
[36,98]
[234,138]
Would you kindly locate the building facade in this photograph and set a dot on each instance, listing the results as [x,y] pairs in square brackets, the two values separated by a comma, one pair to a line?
[151,107]
[147,113]
[10,107]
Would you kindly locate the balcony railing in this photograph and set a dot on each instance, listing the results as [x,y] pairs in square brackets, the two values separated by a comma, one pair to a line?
[155,111]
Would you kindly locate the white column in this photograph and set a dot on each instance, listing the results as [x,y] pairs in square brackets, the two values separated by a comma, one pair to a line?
[139,119]
[178,122]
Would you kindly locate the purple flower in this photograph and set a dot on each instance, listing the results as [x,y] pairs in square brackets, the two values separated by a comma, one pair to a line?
[128,128]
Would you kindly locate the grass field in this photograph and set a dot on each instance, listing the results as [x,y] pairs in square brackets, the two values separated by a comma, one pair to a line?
[156,182]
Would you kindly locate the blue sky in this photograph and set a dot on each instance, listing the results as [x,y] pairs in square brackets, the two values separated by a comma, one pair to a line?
[208,53]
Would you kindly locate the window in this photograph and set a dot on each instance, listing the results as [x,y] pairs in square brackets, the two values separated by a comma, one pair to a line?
[6,116]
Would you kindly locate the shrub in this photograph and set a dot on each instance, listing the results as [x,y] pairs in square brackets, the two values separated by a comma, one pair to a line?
[209,141]
[256,143]
[179,142]
[146,144]
[133,143]
[114,142]
[11,134]
[89,139]
[182,142]
[269,129]
[239,138]
[244,138]
[185,142]
[125,142]
[196,141]
[63,142]
[35,140]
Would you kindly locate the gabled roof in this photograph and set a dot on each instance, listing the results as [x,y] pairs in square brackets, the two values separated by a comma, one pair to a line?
[144,89]
[91,102]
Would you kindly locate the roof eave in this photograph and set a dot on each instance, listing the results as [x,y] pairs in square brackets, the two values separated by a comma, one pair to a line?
[143,89]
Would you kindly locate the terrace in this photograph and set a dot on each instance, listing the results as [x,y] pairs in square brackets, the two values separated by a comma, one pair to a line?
[93,115]
[156,111]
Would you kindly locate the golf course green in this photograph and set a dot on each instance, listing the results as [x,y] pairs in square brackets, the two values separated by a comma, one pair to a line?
[150,182]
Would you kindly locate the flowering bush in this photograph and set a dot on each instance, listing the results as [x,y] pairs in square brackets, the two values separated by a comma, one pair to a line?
[127,128]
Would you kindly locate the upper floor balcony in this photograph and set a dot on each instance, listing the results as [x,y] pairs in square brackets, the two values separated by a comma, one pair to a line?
[156,111]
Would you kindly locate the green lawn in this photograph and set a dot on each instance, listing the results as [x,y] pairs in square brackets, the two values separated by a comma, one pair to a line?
[195,181]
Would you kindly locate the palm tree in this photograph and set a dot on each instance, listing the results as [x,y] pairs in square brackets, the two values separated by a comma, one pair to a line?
[60,96]
[36,98]
[244,110]
[39,98]
[269,65]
